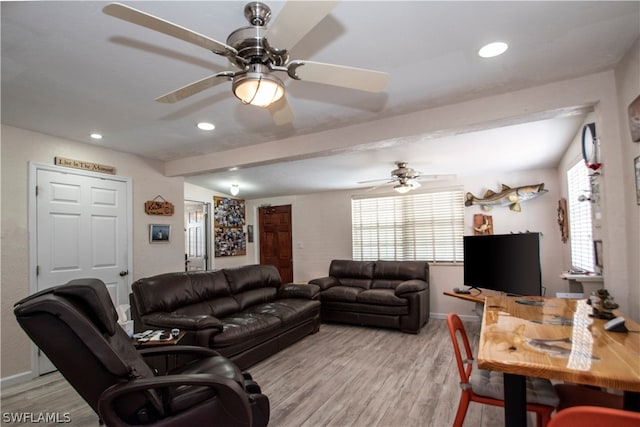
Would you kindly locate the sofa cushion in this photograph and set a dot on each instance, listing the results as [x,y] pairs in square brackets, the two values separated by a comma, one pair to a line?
[194,309]
[209,285]
[221,307]
[247,327]
[248,277]
[354,307]
[289,311]
[341,293]
[255,297]
[170,291]
[352,273]
[389,274]
[259,324]
[380,297]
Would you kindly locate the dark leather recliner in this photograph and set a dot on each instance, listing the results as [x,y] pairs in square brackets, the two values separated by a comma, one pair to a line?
[75,325]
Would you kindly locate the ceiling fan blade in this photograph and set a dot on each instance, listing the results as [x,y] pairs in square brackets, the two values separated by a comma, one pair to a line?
[195,87]
[281,112]
[295,20]
[387,180]
[444,177]
[143,19]
[339,75]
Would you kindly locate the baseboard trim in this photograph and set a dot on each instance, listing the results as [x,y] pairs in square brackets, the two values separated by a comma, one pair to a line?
[16,379]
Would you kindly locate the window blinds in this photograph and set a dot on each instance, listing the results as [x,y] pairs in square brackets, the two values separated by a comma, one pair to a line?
[580,227]
[425,226]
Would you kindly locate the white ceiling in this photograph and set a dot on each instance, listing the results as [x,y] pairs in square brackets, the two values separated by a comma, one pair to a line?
[69,70]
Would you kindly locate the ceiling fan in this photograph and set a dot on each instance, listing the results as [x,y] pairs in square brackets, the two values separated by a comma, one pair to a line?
[256,52]
[406,178]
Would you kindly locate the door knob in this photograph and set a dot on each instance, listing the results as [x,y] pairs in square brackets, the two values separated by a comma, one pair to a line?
[124,273]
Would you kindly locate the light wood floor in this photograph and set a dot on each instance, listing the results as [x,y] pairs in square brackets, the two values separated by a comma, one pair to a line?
[341,376]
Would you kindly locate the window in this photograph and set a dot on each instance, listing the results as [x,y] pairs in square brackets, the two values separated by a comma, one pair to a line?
[580,229]
[425,226]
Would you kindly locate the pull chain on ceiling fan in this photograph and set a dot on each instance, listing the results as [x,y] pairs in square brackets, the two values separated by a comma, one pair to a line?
[257,52]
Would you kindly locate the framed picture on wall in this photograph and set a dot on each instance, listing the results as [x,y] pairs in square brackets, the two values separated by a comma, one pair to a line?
[634,119]
[597,249]
[159,233]
[636,168]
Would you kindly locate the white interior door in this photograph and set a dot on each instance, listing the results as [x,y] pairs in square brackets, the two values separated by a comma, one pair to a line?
[195,239]
[82,232]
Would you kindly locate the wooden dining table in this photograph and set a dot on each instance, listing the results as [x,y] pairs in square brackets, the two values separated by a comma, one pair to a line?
[557,339]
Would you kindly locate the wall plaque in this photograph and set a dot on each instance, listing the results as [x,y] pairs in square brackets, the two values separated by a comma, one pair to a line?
[158,206]
[87,166]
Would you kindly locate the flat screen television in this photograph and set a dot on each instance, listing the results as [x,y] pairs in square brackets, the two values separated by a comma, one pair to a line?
[508,263]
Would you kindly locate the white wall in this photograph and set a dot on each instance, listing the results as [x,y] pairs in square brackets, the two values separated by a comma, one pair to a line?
[21,146]
[322,232]
[628,88]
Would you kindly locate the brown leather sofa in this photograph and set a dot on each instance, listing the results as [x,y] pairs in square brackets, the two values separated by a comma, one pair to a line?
[246,314]
[390,294]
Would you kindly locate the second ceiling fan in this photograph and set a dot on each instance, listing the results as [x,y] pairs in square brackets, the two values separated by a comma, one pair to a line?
[406,178]
[258,51]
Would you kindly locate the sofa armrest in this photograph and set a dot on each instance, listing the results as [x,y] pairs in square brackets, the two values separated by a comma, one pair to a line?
[410,286]
[294,290]
[233,399]
[181,321]
[325,282]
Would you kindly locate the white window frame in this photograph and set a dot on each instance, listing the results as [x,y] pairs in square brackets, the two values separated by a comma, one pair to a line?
[427,226]
[580,218]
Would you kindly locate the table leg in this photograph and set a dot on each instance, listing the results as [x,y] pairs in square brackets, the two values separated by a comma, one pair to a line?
[515,400]
[631,401]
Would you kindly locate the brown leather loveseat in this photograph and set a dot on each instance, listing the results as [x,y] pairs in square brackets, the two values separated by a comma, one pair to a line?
[246,313]
[390,294]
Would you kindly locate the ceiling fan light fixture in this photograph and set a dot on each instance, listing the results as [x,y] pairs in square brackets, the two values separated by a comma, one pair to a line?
[258,88]
[402,188]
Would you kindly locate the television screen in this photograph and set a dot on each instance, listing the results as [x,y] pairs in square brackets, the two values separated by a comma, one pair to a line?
[504,262]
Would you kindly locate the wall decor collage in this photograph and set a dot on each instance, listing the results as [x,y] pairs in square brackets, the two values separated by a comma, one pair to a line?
[229,220]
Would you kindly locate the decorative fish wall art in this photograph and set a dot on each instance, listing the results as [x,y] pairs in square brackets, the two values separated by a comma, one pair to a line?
[508,196]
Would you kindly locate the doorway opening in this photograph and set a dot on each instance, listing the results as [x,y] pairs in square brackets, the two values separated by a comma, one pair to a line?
[196,235]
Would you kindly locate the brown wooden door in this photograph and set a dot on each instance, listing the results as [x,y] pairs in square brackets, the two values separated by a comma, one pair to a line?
[275,239]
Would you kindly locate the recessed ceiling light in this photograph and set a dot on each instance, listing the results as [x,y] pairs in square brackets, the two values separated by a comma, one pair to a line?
[206,126]
[493,49]
[96,136]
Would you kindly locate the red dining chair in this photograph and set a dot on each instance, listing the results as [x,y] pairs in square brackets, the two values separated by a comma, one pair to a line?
[487,387]
[594,416]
